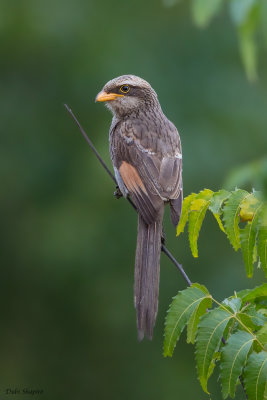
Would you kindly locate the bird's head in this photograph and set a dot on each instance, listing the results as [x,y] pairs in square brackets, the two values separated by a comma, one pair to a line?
[128,94]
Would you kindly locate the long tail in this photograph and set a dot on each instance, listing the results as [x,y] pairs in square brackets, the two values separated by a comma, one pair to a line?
[147,270]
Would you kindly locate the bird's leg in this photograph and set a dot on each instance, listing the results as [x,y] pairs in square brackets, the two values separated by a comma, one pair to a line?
[118,193]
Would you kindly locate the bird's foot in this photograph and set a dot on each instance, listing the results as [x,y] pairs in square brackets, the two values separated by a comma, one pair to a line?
[163,237]
[118,193]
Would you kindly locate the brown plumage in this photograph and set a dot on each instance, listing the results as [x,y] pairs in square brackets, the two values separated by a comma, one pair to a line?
[146,154]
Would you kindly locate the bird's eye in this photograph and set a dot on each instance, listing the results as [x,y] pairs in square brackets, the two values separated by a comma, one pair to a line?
[124,88]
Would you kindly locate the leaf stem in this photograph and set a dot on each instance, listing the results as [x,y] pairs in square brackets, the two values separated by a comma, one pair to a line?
[239,321]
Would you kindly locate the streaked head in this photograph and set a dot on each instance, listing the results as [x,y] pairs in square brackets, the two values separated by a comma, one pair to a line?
[126,94]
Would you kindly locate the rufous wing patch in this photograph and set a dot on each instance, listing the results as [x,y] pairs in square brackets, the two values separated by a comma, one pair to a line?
[131,178]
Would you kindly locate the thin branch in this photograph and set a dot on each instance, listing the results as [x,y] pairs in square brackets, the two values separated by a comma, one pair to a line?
[91,144]
[163,247]
[175,262]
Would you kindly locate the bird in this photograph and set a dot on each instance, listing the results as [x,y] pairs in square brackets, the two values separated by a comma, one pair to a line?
[146,154]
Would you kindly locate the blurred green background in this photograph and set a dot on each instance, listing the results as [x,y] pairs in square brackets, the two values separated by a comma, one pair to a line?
[67,321]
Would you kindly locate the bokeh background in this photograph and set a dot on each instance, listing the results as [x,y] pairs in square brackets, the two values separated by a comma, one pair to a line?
[67,321]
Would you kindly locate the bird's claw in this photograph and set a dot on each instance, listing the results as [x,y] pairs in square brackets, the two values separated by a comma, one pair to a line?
[118,193]
[163,237]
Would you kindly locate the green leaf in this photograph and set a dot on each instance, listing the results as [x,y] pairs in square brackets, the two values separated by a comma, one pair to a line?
[185,211]
[251,209]
[216,357]
[204,10]
[181,309]
[193,322]
[218,219]
[197,213]
[233,303]
[262,334]
[234,355]
[249,295]
[262,241]
[231,216]
[209,335]
[216,203]
[249,206]
[255,375]
[251,318]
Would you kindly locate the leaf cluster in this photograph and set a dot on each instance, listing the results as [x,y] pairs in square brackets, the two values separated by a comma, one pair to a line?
[241,215]
[232,334]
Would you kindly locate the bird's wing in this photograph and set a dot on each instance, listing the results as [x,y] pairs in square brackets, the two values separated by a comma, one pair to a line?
[149,164]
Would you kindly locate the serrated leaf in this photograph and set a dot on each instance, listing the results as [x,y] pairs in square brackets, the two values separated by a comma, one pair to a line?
[248,240]
[181,309]
[216,203]
[234,355]
[262,334]
[262,241]
[233,303]
[255,376]
[209,334]
[215,358]
[249,295]
[251,318]
[231,216]
[197,213]
[204,10]
[193,322]
[218,219]
[185,211]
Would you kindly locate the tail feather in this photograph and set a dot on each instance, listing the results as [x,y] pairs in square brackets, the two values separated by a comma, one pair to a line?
[147,271]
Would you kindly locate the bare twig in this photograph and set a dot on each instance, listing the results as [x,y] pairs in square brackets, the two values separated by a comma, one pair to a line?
[163,247]
[175,262]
